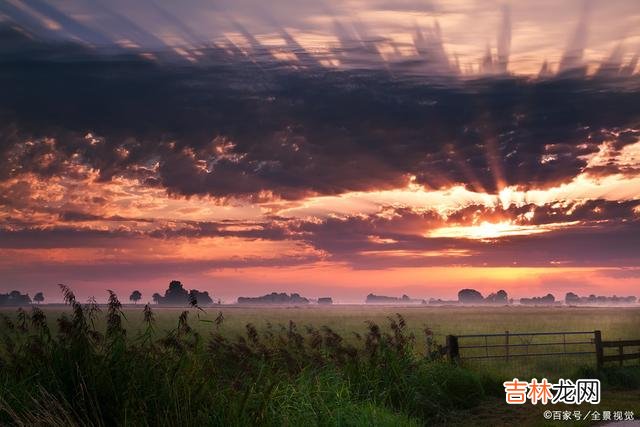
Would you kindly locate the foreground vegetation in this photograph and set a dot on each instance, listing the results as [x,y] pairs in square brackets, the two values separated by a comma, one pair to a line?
[283,376]
[233,367]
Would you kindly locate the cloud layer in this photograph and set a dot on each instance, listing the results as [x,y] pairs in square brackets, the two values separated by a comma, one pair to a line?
[235,155]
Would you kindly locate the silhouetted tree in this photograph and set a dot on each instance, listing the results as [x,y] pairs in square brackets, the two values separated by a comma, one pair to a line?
[135,296]
[39,297]
[15,298]
[274,298]
[378,299]
[571,298]
[499,297]
[469,296]
[547,299]
[176,294]
[200,298]
[383,299]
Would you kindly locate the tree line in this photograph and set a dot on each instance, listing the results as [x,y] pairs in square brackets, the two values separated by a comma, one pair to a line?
[177,295]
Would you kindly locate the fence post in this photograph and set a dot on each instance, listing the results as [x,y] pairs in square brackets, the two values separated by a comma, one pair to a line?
[621,353]
[453,352]
[506,344]
[597,339]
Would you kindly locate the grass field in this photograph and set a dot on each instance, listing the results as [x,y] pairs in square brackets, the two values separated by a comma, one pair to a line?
[320,375]
[614,322]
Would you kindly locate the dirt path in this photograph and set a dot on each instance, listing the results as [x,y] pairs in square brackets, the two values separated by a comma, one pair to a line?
[495,412]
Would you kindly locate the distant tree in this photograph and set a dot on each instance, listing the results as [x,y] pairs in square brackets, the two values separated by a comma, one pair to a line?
[469,296]
[547,299]
[499,297]
[199,298]
[135,296]
[176,294]
[380,299]
[383,299]
[571,298]
[297,299]
[39,297]
[274,298]
[21,299]
[502,297]
[15,298]
[325,300]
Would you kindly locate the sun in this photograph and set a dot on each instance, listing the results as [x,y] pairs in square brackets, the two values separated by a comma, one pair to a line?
[487,230]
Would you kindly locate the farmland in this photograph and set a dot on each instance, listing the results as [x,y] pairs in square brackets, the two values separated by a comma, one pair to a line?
[614,322]
[349,320]
[346,365]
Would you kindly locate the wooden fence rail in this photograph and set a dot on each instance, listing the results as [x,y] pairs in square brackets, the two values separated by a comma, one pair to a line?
[568,343]
[621,355]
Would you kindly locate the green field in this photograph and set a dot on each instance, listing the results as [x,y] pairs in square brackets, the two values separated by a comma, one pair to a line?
[291,386]
[614,322]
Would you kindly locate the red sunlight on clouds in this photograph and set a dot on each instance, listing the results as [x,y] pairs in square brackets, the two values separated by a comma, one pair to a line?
[234,247]
[345,150]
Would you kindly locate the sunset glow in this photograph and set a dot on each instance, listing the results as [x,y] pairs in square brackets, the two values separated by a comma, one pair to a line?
[338,149]
[488,230]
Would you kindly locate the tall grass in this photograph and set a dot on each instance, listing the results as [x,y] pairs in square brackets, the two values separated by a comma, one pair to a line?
[282,375]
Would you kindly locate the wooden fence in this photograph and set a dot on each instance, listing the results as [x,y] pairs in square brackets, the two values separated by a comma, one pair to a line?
[620,356]
[507,346]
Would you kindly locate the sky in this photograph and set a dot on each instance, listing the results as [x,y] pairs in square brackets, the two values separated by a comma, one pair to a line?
[327,148]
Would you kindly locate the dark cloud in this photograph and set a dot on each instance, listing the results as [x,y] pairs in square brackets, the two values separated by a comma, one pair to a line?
[532,214]
[124,231]
[63,237]
[293,132]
